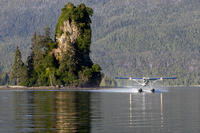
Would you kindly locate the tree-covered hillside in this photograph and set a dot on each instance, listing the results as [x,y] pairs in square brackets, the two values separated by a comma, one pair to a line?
[129,38]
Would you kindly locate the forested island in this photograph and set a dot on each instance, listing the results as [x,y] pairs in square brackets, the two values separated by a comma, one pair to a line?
[151,38]
[64,61]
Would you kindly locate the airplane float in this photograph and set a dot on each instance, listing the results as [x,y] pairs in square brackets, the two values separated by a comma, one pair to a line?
[145,81]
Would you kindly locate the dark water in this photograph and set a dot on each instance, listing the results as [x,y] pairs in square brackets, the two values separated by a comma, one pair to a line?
[176,110]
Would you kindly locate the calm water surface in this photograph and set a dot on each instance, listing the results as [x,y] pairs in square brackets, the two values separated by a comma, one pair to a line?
[176,110]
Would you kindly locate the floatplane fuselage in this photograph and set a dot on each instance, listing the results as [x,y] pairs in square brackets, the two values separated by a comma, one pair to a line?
[145,82]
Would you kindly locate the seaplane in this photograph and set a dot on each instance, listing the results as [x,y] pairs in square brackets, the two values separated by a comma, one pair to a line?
[145,82]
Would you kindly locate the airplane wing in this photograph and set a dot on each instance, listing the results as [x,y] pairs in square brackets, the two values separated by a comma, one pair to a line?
[133,78]
[169,78]
[161,78]
[121,78]
[127,78]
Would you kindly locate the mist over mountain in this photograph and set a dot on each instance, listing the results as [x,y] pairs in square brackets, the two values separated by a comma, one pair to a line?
[129,37]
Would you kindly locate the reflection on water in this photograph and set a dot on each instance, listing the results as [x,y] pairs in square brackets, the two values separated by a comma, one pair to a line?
[130,110]
[138,115]
[66,113]
[72,112]
[43,111]
[161,110]
[48,112]
[177,110]
[133,120]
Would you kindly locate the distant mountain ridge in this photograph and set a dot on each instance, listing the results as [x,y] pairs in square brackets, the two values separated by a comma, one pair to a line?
[130,37]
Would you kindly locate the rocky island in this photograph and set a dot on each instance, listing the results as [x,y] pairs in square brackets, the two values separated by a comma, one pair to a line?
[63,61]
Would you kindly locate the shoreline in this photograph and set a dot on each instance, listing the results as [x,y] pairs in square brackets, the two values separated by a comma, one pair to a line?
[47,88]
[67,88]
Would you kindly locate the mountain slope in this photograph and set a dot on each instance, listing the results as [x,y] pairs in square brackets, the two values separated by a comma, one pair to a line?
[130,37]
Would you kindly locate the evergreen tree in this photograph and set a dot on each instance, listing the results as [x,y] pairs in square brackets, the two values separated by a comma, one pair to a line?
[67,70]
[47,68]
[0,68]
[32,77]
[5,79]
[19,71]
[41,62]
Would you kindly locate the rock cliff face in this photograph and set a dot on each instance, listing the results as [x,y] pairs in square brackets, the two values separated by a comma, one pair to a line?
[70,33]
[73,40]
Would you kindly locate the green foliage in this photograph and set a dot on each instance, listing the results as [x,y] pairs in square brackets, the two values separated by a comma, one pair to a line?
[108,82]
[19,71]
[162,40]
[81,15]
[85,76]
[67,70]
[4,79]
[41,63]
[75,68]
[132,38]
